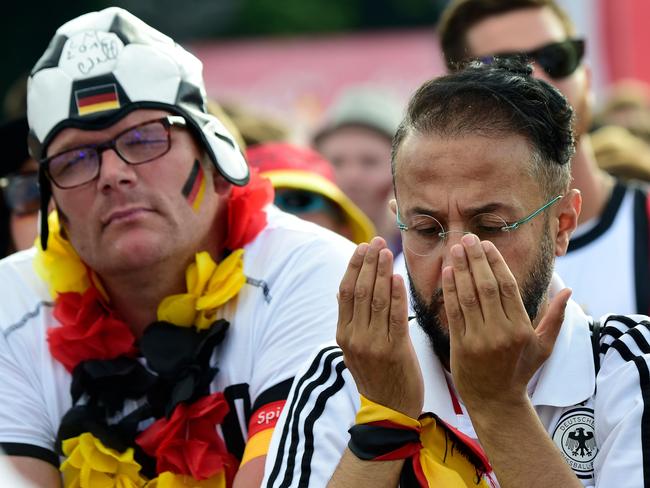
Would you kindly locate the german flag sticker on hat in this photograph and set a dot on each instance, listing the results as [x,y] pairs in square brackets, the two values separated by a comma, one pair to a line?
[97,99]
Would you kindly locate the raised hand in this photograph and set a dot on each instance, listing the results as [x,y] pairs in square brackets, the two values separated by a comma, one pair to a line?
[373,331]
[495,349]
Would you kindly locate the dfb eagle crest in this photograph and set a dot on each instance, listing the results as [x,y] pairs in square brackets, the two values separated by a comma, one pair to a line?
[575,437]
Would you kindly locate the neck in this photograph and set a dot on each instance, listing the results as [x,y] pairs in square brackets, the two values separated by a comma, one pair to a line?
[594,184]
[135,295]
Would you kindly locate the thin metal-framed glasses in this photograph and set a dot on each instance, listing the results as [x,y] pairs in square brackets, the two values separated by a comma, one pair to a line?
[136,145]
[424,233]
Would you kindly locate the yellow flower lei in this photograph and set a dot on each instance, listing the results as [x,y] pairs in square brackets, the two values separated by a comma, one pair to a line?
[209,285]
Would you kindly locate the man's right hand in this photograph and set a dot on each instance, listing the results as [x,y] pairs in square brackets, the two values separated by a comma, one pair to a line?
[373,331]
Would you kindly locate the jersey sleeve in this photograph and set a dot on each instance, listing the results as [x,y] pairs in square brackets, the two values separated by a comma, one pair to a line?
[622,405]
[312,432]
[25,427]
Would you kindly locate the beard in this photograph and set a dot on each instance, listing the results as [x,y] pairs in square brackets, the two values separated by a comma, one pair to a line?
[533,293]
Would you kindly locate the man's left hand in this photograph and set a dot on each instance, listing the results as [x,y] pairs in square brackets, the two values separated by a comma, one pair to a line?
[495,350]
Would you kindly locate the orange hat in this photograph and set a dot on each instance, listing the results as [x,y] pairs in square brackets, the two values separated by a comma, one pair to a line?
[301,168]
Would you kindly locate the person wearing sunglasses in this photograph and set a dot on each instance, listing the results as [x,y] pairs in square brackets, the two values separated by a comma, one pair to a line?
[151,335]
[607,263]
[19,188]
[304,186]
[495,380]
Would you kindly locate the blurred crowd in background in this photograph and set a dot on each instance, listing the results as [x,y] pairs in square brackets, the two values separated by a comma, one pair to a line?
[315,91]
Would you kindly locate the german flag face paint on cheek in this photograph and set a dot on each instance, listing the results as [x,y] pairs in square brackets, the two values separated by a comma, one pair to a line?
[194,188]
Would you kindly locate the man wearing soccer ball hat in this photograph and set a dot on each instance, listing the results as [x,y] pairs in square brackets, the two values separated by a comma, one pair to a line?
[153,333]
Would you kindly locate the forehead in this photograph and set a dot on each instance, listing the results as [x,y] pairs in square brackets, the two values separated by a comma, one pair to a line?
[71,137]
[518,30]
[467,171]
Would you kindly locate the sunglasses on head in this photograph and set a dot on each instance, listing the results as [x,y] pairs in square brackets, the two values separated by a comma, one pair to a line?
[558,59]
[20,192]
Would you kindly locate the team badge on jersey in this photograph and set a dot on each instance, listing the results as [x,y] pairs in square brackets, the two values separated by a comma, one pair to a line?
[575,437]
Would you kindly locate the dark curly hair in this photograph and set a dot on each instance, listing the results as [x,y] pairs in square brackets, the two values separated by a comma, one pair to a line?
[497,99]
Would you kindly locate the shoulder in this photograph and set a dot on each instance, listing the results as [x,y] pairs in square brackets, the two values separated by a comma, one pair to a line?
[323,381]
[288,232]
[624,358]
[21,290]
[289,247]
[625,337]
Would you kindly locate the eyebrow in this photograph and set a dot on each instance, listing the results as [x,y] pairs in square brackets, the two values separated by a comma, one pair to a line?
[470,211]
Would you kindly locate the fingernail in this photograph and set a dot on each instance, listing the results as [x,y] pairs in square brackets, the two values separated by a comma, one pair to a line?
[362,249]
[457,251]
[376,242]
[470,239]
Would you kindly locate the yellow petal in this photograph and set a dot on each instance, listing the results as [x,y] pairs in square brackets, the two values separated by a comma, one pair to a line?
[171,480]
[226,267]
[178,309]
[60,266]
[228,290]
[202,270]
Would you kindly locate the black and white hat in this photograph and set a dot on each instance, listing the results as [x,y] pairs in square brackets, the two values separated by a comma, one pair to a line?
[103,65]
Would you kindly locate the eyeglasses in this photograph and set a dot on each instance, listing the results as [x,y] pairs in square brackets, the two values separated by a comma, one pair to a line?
[424,234]
[297,201]
[135,145]
[20,192]
[558,59]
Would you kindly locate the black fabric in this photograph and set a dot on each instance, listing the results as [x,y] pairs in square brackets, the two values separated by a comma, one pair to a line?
[274,394]
[644,381]
[605,222]
[596,329]
[642,250]
[27,450]
[181,358]
[297,404]
[407,477]
[314,415]
[231,428]
[111,382]
[368,442]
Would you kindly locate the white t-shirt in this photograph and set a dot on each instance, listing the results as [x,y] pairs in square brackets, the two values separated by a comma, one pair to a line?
[312,432]
[607,264]
[286,309]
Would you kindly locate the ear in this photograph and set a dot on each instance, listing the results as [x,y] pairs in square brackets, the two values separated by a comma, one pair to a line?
[219,183]
[392,205]
[567,213]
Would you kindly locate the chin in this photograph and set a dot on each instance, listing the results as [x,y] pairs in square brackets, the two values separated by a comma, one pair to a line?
[133,251]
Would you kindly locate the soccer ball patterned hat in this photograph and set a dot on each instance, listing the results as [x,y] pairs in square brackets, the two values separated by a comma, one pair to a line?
[103,65]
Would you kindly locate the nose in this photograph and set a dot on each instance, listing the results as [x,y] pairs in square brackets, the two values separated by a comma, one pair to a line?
[113,171]
[452,238]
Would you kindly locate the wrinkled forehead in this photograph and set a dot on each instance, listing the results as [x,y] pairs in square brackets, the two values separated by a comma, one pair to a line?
[435,170]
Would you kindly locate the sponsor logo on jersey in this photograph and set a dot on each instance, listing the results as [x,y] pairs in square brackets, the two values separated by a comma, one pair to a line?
[575,437]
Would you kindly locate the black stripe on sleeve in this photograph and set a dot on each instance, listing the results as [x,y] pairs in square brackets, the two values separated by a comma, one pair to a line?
[273,394]
[28,450]
[313,367]
[308,451]
[644,377]
[641,251]
[640,340]
[322,378]
[606,219]
[623,350]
